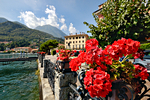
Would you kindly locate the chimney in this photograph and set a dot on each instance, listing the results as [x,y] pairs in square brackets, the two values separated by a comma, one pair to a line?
[76,33]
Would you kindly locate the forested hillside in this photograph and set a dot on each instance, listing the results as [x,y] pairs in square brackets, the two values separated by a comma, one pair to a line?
[11,31]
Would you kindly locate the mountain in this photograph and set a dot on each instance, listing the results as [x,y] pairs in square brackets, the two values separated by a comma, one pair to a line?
[12,31]
[51,30]
[19,23]
[3,20]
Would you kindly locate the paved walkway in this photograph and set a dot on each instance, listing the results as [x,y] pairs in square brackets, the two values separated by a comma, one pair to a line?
[47,93]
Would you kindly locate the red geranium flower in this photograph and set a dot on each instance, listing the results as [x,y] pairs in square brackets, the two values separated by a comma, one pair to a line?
[97,82]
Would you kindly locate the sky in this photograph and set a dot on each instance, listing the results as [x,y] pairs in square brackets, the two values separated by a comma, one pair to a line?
[66,15]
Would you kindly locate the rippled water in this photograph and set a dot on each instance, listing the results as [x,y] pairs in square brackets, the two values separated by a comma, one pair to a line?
[18,81]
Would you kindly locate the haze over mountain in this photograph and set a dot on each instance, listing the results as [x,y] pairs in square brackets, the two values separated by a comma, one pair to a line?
[13,31]
[51,30]
[3,20]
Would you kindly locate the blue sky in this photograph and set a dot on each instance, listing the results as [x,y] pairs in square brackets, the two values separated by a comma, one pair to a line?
[67,15]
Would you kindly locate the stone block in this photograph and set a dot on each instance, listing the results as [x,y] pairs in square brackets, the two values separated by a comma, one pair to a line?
[63,79]
[62,93]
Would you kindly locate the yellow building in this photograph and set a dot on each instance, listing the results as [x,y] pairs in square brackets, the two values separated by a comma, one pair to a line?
[76,42]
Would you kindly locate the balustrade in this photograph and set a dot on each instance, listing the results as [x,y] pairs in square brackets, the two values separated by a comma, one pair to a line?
[63,84]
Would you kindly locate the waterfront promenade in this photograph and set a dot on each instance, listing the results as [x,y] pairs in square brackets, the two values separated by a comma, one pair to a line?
[47,93]
[46,90]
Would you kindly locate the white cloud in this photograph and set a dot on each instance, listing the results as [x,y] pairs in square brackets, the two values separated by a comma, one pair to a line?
[62,20]
[63,27]
[72,29]
[32,21]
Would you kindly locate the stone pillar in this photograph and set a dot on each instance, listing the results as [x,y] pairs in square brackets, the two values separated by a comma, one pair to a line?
[62,81]
[45,65]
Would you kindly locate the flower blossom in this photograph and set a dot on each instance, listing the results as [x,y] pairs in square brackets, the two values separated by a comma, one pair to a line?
[97,82]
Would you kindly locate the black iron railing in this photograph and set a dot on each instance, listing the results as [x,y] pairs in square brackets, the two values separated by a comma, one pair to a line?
[80,93]
[41,57]
[51,74]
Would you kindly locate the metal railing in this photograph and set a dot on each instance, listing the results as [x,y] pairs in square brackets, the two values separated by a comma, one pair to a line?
[17,55]
[51,74]
[80,93]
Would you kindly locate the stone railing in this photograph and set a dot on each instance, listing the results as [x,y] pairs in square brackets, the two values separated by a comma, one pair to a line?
[59,80]
[63,84]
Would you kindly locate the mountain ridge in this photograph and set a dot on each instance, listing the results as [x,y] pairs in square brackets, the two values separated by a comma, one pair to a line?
[51,30]
[12,31]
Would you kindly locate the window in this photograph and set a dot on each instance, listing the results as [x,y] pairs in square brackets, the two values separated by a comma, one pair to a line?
[79,37]
[83,46]
[66,38]
[73,37]
[73,46]
[82,41]
[82,36]
[76,46]
[70,38]
[66,46]
[76,41]
[66,42]
[79,46]
[79,41]
[76,37]
[73,41]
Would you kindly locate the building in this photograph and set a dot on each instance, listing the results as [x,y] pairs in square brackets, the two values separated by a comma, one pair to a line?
[25,49]
[98,12]
[34,50]
[5,42]
[76,42]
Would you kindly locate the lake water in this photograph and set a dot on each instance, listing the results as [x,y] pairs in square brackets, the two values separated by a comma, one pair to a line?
[18,81]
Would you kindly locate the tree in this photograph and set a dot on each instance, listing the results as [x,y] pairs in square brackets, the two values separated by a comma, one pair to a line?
[122,18]
[2,47]
[46,46]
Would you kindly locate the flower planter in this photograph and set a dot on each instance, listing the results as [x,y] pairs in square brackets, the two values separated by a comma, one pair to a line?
[121,90]
[63,65]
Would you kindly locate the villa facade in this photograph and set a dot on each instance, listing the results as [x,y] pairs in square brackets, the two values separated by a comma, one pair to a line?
[76,42]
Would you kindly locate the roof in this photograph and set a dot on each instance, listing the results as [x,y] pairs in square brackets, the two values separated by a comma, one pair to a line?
[97,10]
[34,50]
[60,44]
[76,35]
[22,48]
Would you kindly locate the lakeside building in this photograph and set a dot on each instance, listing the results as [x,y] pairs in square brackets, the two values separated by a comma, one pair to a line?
[25,49]
[5,42]
[76,42]
[98,12]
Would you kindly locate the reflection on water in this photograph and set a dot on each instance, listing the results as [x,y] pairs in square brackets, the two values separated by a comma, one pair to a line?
[18,81]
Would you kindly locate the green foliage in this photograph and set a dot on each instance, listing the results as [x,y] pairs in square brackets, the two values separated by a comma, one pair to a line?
[2,47]
[61,47]
[19,43]
[50,44]
[122,18]
[145,46]
[53,52]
